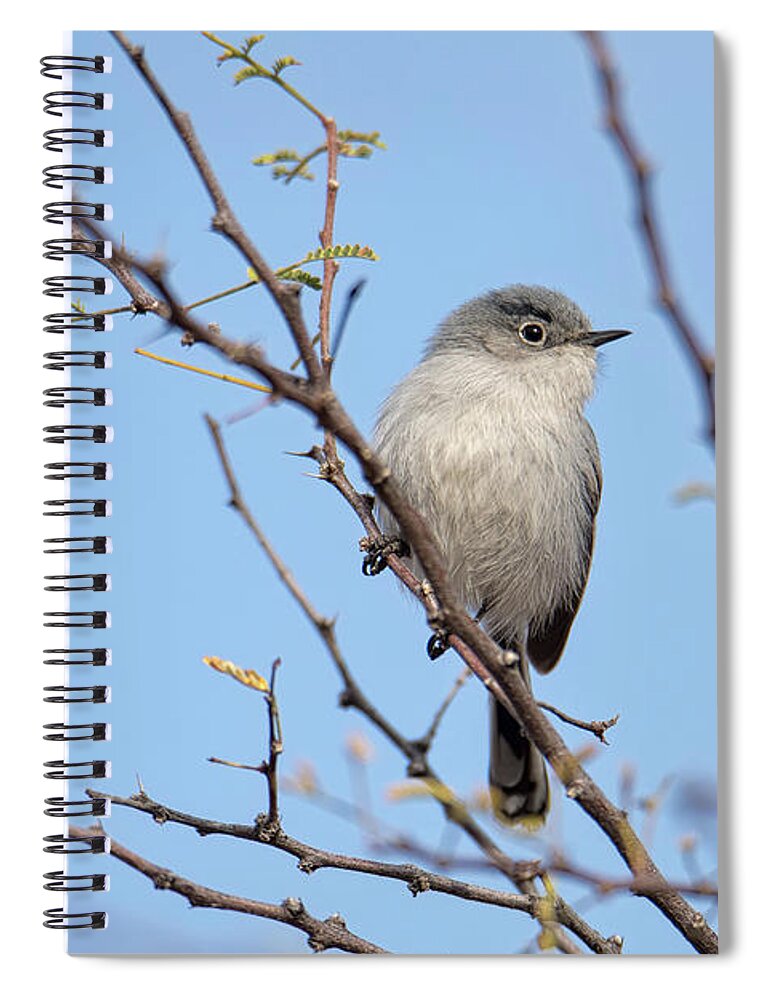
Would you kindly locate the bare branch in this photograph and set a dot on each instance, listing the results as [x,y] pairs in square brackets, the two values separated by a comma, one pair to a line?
[597,727]
[119,265]
[275,743]
[639,886]
[640,171]
[321,934]
[331,267]
[426,741]
[311,859]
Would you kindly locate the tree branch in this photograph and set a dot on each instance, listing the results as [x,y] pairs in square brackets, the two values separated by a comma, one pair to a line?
[606,884]
[640,172]
[597,727]
[275,748]
[426,741]
[321,934]
[311,859]
[120,266]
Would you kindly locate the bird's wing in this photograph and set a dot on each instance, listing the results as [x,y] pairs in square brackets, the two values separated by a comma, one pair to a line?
[545,644]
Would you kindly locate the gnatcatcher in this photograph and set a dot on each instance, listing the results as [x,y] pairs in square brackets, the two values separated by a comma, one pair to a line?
[487,439]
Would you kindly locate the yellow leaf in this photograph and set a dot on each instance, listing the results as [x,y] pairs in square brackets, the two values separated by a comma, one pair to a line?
[248,677]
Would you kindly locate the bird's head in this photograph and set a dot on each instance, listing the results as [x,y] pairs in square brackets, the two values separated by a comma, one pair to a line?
[519,323]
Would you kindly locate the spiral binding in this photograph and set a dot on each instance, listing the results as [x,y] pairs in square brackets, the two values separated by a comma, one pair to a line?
[99,470]
[59,174]
[76,323]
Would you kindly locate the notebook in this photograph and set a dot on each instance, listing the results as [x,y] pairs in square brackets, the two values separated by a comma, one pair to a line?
[324,315]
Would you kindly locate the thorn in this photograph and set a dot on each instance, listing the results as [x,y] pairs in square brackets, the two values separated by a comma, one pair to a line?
[310,453]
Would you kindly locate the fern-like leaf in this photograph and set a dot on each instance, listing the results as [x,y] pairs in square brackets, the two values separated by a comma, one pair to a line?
[280,64]
[291,172]
[370,138]
[248,72]
[340,251]
[250,42]
[355,152]
[289,274]
[279,156]
[303,278]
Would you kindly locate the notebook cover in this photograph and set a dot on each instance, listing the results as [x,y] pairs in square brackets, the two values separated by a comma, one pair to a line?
[468,161]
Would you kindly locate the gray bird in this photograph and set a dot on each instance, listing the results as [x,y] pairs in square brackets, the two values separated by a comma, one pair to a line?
[487,439]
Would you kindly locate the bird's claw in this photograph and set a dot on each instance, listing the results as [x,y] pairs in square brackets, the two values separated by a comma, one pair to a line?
[438,644]
[377,552]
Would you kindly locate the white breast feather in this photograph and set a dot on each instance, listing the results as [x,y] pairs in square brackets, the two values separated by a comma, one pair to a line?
[494,458]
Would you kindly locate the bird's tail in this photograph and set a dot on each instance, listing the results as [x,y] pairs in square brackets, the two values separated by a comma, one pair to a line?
[518,783]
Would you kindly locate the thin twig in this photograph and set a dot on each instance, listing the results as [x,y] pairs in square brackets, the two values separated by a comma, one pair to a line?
[326,236]
[270,767]
[262,71]
[321,934]
[301,164]
[232,763]
[640,171]
[202,371]
[598,727]
[426,741]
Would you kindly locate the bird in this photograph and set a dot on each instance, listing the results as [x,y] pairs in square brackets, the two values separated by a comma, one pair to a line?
[487,439]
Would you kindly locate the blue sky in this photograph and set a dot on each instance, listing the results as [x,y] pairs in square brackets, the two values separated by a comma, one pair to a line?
[496,171]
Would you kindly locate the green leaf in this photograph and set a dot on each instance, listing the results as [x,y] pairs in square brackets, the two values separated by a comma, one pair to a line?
[250,42]
[355,152]
[303,278]
[279,156]
[280,64]
[290,274]
[290,173]
[371,138]
[340,251]
[248,72]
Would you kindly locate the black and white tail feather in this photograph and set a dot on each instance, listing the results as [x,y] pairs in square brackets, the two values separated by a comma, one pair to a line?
[518,782]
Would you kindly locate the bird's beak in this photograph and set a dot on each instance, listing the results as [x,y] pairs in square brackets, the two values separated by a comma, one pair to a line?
[595,338]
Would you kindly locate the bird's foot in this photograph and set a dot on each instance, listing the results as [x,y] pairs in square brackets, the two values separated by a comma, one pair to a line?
[438,644]
[377,552]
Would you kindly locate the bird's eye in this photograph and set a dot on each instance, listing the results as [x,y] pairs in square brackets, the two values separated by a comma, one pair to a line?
[532,333]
